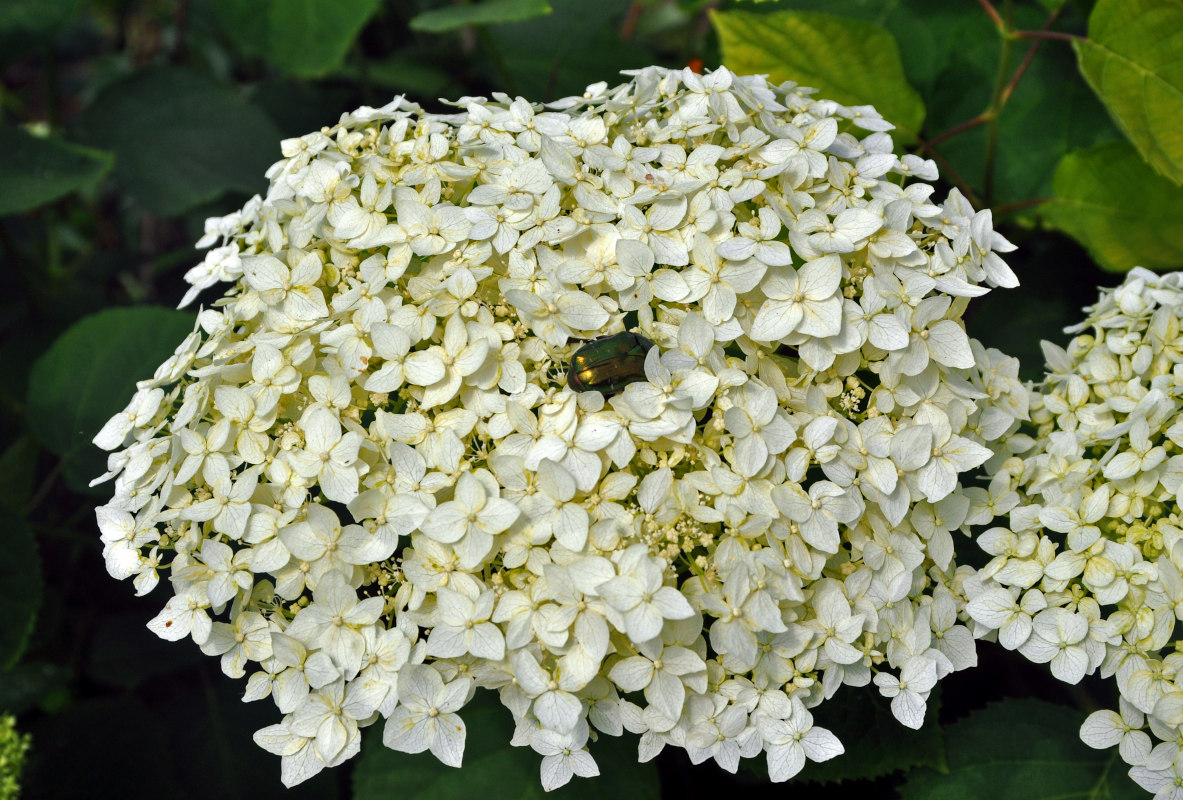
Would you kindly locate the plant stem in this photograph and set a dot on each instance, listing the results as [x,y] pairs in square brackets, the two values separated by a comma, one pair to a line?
[1007,208]
[992,12]
[1000,83]
[962,127]
[43,490]
[1057,35]
[629,26]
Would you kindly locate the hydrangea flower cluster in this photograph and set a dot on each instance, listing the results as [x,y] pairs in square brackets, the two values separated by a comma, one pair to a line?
[374,491]
[1085,576]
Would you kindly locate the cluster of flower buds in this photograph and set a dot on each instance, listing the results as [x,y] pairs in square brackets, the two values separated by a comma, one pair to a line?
[1085,575]
[646,409]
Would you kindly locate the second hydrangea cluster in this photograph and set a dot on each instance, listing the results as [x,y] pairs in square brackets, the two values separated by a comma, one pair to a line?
[1086,572]
[374,488]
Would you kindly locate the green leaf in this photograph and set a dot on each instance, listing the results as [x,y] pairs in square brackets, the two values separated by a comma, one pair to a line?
[180,139]
[30,682]
[405,72]
[35,171]
[848,60]
[497,770]
[307,38]
[18,467]
[489,12]
[1022,749]
[26,18]
[560,54]
[876,743]
[1050,113]
[90,371]
[1131,59]
[1107,199]
[125,654]
[20,586]
[936,32]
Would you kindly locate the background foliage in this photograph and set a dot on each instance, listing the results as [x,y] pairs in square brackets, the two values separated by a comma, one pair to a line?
[124,123]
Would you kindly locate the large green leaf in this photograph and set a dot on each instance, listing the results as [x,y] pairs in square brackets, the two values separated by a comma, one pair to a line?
[936,32]
[489,12]
[90,371]
[180,138]
[1022,749]
[560,54]
[1132,61]
[308,38]
[1118,208]
[849,60]
[493,770]
[1050,113]
[20,585]
[35,170]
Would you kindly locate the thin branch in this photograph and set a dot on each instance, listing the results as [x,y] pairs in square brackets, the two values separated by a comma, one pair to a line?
[969,124]
[1018,205]
[992,12]
[1028,57]
[629,26]
[43,490]
[1058,35]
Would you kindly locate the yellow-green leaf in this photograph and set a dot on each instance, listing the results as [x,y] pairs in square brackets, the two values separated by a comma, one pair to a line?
[1132,61]
[848,60]
[1126,216]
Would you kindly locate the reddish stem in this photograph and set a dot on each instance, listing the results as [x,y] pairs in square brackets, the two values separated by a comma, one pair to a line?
[992,12]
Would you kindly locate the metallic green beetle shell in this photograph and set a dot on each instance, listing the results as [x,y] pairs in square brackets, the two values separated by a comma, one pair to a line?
[609,364]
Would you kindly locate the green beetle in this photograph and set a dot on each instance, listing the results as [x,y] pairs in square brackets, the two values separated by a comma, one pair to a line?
[608,364]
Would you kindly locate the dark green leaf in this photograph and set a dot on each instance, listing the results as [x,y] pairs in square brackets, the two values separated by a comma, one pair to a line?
[848,60]
[488,12]
[180,138]
[1022,750]
[36,170]
[308,38]
[90,371]
[18,467]
[876,743]
[124,653]
[1131,59]
[500,771]
[1050,113]
[28,683]
[298,107]
[406,73]
[20,585]
[1118,208]
[562,53]
[26,18]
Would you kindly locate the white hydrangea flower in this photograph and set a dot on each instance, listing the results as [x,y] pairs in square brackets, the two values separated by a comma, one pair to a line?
[660,390]
[1086,571]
